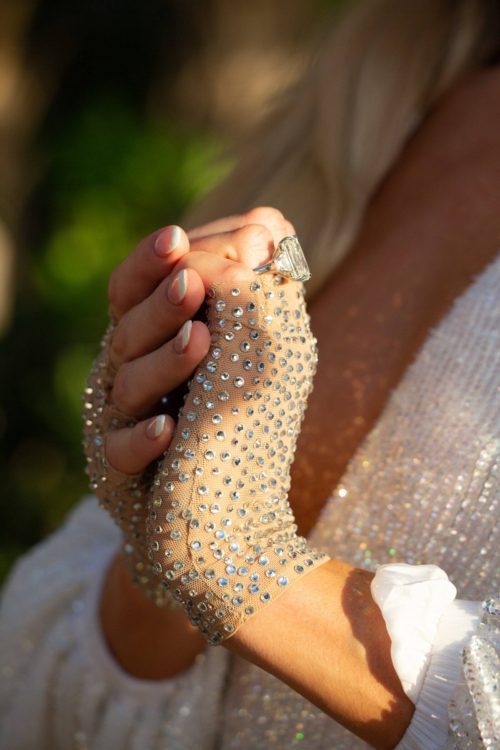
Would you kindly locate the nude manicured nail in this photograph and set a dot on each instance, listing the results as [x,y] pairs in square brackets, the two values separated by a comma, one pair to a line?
[156,427]
[167,241]
[182,339]
[178,288]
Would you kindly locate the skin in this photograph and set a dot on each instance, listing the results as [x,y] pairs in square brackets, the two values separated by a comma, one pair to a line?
[370,319]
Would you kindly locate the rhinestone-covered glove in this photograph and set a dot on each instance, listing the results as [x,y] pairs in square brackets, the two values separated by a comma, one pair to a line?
[123,496]
[222,534]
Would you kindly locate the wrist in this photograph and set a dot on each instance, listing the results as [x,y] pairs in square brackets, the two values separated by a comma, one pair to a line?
[346,669]
[148,642]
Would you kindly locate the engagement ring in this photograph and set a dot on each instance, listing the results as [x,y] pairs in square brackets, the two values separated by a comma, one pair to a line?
[288,260]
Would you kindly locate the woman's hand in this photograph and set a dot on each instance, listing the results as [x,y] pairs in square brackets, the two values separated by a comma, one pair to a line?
[151,349]
[151,300]
[132,434]
[222,535]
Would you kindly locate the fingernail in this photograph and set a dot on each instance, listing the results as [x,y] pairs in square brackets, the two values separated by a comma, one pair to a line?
[156,427]
[182,339]
[167,241]
[178,288]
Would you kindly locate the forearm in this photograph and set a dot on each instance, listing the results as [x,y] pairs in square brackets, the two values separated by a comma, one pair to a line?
[148,642]
[326,638]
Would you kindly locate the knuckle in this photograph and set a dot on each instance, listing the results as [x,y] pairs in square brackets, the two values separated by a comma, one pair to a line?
[252,235]
[121,389]
[119,342]
[273,219]
[266,215]
[237,273]
[109,449]
[227,248]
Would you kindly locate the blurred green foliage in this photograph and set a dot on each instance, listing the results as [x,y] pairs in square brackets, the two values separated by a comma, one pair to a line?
[111,179]
[108,177]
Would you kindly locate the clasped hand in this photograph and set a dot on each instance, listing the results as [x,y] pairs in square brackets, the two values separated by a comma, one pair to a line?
[152,347]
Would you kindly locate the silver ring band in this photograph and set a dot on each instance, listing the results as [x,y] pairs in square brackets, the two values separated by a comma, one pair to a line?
[265,267]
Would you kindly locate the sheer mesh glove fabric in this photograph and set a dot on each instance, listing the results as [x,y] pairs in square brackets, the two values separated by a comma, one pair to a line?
[123,496]
[222,535]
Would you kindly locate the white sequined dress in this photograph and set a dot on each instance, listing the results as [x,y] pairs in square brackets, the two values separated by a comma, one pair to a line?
[424,487]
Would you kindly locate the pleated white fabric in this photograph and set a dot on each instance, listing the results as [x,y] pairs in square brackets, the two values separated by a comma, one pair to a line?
[60,688]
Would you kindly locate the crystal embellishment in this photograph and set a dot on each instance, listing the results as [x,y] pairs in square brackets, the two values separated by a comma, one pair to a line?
[290,261]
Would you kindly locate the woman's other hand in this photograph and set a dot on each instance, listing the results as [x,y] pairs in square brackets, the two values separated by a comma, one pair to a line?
[152,347]
[156,345]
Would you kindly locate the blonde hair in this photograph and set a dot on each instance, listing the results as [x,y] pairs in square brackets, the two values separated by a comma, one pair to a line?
[329,143]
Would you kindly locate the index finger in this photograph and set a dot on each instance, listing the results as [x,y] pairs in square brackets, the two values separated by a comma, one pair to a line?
[141,271]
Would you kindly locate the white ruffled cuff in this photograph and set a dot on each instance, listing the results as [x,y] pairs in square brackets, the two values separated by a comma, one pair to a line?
[428,729]
[412,599]
[428,631]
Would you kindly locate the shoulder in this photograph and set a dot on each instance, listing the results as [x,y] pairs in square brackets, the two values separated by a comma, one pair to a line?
[473,105]
[461,151]
[441,200]
[464,121]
